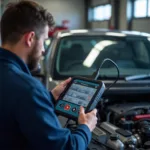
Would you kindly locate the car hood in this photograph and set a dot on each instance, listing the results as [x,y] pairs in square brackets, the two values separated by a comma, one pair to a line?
[122,86]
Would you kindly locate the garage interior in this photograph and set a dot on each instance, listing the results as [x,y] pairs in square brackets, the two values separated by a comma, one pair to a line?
[87,14]
[107,42]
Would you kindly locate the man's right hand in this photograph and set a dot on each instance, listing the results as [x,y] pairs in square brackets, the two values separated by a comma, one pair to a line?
[88,119]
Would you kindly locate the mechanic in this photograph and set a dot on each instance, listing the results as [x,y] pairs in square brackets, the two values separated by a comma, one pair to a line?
[27,117]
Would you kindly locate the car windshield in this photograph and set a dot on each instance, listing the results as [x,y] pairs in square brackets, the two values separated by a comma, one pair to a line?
[82,55]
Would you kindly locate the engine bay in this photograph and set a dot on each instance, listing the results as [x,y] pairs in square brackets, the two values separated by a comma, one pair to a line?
[123,122]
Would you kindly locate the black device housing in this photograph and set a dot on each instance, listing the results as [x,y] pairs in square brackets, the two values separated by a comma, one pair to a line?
[93,102]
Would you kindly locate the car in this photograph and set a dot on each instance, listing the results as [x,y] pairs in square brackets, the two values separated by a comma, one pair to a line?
[124,108]
[80,53]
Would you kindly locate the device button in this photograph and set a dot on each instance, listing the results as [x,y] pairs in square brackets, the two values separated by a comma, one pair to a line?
[74,109]
[67,107]
[62,105]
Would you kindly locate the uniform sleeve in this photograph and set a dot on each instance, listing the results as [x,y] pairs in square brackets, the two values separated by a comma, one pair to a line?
[40,125]
[52,98]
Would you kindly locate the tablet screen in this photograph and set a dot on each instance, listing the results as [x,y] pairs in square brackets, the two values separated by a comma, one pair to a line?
[80,92]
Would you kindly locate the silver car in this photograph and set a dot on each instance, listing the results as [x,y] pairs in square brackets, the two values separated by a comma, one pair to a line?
[80,53]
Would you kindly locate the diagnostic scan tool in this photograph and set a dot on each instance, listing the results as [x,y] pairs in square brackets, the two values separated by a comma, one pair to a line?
[80,92]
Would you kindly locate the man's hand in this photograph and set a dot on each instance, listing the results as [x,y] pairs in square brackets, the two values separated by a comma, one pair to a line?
[88,119]
[60,88]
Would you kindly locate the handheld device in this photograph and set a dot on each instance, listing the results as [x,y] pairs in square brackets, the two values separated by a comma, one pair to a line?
[80,92]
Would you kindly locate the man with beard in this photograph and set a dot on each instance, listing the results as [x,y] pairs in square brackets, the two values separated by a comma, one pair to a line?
[27,117]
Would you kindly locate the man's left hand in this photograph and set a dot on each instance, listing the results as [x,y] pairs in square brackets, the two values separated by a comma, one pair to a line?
[60,88]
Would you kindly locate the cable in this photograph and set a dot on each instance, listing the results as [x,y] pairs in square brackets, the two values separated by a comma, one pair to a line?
[66,123]
[108,116]
[124,114]
[97,73]
[98,116]
[72,126]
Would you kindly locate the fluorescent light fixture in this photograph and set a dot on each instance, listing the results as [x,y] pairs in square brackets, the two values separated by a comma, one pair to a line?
[88,62]
[115,34]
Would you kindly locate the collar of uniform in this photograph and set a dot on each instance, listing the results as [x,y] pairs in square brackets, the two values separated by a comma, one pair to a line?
[10,57]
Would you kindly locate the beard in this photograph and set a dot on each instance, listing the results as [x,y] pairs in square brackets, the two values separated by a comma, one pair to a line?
[33,59]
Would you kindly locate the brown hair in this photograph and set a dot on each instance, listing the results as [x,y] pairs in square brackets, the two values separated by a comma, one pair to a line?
[22,17]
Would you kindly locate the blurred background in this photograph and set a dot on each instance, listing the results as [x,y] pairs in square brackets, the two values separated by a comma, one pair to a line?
[114,26]
[91,14]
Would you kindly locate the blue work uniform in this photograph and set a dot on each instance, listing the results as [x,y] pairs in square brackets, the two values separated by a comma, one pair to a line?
[27,117]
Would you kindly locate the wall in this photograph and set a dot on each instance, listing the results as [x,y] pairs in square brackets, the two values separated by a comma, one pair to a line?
[99,24]
[99,2]
[72,10]
[123,24]
[111,24]
[123,16]
[141,25]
